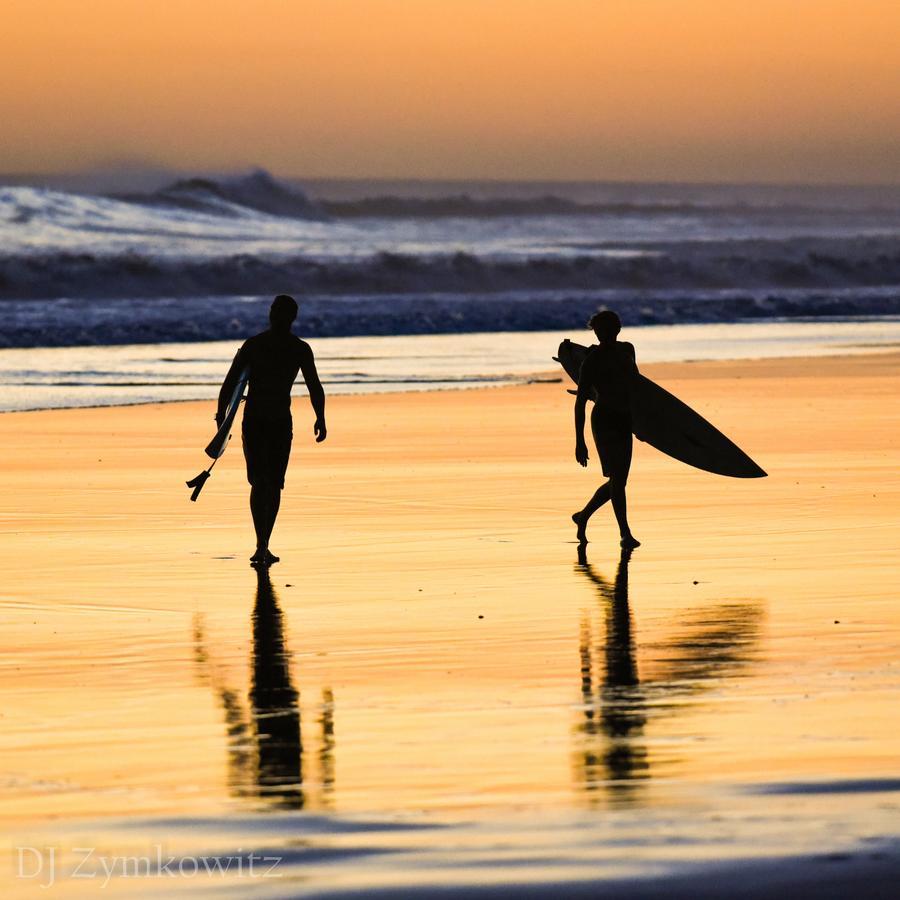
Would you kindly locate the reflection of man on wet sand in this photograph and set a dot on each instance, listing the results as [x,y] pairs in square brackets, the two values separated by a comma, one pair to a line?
[265,750]
[606,373]
[716,642]
[274,358]
[275,704]
[619,698]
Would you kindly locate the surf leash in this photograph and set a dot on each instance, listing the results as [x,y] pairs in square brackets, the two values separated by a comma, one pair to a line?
[198,481]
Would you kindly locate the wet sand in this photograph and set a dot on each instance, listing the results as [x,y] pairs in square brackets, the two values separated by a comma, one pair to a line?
[434,688]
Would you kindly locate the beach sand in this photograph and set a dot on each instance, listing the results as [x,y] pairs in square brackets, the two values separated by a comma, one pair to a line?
[450,669]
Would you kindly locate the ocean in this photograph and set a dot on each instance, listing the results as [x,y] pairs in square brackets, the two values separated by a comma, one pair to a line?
[64,377]
[411,285]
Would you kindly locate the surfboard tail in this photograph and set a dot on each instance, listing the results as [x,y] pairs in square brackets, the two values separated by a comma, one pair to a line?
[216,447]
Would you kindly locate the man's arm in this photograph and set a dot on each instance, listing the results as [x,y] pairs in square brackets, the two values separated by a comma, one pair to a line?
[229,384]
[316,391]
[581,398]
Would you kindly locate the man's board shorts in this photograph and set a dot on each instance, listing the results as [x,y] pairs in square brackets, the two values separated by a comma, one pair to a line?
[612,436]
[267,449]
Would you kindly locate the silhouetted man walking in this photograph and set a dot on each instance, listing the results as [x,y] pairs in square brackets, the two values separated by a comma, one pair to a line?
[273,358]
[606,373]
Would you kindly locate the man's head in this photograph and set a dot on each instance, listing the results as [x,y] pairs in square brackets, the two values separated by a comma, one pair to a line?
[605,324]
[282,312]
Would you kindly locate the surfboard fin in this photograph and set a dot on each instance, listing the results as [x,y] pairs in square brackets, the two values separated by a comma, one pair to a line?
[198,482]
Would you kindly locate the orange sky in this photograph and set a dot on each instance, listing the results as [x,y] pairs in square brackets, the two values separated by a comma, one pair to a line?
[780,90]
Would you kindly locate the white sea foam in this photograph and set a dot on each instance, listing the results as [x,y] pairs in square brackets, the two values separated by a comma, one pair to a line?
[201,255]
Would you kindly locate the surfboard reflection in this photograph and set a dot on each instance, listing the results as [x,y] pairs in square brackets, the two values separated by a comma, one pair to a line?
[618,706]
[265,744]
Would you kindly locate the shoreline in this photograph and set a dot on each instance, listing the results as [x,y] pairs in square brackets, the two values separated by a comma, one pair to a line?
[140,375]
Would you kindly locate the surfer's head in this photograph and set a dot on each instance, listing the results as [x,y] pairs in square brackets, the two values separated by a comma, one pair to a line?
[282,312]
[605,324]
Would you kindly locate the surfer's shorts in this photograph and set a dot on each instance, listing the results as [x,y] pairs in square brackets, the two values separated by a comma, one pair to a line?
[612,436]
[267,449]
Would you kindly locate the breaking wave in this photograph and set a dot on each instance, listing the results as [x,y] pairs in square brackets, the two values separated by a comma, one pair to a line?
[258,191]
[194,260]
[753,264]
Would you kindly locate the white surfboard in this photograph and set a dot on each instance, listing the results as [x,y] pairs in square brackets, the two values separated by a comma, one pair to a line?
[216,447]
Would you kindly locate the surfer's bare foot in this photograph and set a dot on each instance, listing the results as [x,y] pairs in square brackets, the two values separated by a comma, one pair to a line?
[580,520]
[260,555]
[271,558]
[629,542]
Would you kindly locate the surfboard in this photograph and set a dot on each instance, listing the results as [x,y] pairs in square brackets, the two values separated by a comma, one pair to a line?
[665,422]
[216,447]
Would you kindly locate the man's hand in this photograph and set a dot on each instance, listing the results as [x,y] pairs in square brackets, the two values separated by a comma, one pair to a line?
[581,453]
[320,431]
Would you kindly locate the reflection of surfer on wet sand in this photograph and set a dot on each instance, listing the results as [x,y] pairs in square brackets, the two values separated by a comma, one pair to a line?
[265,750]
[605,376]
[617,711]
[714,644]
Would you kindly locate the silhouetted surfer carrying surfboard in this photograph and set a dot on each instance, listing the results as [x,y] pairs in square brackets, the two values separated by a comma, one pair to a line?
[605,377]
[627,402]
[272,360]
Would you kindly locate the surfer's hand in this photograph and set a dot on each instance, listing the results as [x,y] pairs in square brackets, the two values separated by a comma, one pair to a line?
[581,453]
[320,431]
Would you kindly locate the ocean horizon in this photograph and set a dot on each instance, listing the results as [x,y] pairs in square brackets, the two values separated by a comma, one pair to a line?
[197,259]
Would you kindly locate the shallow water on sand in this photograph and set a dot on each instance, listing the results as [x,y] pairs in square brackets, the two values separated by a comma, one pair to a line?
[434,686]
[546,721]
[64,377]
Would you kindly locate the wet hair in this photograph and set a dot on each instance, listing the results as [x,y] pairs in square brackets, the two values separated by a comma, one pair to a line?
[605,324]
[283,311]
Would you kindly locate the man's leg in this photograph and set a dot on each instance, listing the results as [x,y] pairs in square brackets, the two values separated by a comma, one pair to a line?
[601,495]
[620,508]
[274,505]
[265,500]
[278,462]
[617,482]
[260,506]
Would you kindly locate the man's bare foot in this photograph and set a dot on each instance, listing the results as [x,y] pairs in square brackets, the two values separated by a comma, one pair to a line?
[580,520]
[260,556]
[271,558]
[629,542]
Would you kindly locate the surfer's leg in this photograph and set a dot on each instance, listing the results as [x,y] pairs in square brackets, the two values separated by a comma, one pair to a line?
[601,495]
[281,435]
[617,481]
[274,505]
[259,510]
[620,508]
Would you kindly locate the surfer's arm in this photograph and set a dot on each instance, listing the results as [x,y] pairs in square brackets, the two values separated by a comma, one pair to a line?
[316,391]
[581,398]
[229,384]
